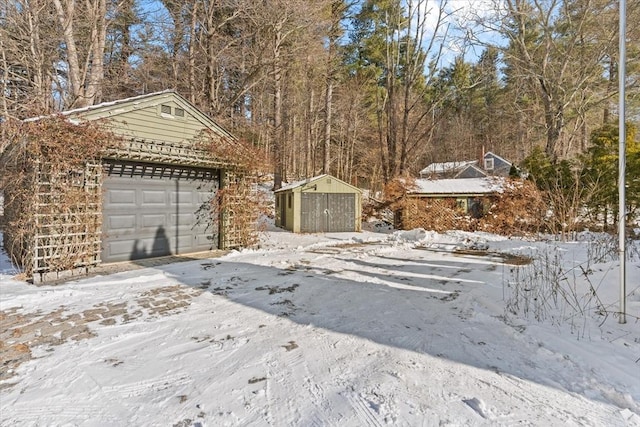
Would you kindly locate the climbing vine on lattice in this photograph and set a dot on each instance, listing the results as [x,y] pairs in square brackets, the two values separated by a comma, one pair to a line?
[52,190]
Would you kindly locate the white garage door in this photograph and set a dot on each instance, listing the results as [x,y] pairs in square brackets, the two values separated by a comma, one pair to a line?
[152,210]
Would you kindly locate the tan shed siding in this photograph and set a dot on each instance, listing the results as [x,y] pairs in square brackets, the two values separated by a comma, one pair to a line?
[295,210]
[291,203]
[329,185]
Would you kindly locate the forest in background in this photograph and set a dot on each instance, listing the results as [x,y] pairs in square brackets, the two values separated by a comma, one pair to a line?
[367,90]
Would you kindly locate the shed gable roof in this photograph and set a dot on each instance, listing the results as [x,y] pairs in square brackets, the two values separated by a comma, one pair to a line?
[303,182]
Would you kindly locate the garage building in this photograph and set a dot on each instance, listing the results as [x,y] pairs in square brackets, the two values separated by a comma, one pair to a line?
[156,188]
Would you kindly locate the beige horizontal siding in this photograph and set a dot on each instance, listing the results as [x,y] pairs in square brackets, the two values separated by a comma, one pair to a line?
[148,124]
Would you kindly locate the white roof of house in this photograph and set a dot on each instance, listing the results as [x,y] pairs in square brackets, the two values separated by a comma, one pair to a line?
[458,186]
[447,167]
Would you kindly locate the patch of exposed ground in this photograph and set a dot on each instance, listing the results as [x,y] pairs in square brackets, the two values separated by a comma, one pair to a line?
[505,258]
[21,332]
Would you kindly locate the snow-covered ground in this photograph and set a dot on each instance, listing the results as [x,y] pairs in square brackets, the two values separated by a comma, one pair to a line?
[346,329]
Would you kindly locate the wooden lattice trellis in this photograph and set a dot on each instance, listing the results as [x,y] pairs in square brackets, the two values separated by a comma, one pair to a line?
[67,224]
[430,214]
[239,206]
[185,153]
[436,214]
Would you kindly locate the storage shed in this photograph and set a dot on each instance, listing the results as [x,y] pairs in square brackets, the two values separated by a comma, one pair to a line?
[153,191]
[320,204]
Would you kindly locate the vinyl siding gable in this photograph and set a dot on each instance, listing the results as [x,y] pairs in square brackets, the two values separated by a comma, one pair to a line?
[163,117]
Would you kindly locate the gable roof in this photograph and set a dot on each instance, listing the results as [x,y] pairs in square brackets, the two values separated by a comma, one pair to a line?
[468,186]
[471,166]
[307,181]
[118,107]
[502,159]
[439,168]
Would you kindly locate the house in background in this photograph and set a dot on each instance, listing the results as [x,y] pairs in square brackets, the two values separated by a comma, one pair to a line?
[469,194]
[495,165]
[319,204]
[492,165]
[464,169]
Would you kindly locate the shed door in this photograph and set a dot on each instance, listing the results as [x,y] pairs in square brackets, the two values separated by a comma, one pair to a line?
[155,210]
[327,212]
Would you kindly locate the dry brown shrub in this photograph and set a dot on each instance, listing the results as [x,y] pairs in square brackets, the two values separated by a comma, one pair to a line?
[240,206]
[51,174]
[431,214]
[396,198]
[234,152]
[519,210]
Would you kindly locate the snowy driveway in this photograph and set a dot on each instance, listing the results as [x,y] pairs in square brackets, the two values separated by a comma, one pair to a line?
[310,330]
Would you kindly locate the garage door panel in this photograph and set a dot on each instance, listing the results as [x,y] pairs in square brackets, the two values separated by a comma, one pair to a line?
[154,197]
[151,222]
[124,249]
[203,241]
[122,223]
[204,197]
[185,242]
[183,219]
[155,210]
[182,197]
[122,197]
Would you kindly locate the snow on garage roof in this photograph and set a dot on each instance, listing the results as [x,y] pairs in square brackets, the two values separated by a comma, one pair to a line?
[458,186]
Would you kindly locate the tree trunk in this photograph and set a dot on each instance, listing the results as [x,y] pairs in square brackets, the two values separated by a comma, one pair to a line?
[278,143]
[192,54]
[95,72]
[85,82]
[326,159]
[65,18]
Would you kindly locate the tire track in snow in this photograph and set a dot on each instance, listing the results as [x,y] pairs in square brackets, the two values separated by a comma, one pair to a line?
[363,409]
[320,416]
[69,412]
[281,386]
[139,388]
[273,378]
[317,394]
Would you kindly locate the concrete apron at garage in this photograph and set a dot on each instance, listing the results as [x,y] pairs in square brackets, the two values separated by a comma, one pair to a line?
[152,210]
